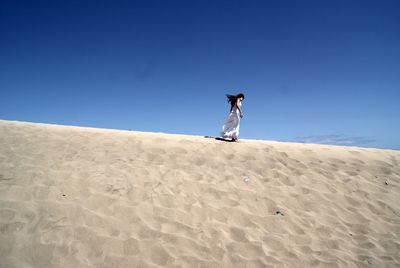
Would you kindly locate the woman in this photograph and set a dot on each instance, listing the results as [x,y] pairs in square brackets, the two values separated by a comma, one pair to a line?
[232,123]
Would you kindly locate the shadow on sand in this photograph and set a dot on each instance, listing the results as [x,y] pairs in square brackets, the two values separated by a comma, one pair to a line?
[219,139]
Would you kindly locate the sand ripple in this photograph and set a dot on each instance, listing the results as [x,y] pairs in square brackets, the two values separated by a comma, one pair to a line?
[82,197]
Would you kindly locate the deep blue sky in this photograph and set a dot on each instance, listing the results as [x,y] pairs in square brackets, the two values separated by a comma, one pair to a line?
[312,71]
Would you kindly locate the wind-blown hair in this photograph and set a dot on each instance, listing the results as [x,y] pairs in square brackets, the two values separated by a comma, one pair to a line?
[233,98]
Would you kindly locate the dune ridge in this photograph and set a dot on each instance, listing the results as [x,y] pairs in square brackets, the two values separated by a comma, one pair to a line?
[86,197]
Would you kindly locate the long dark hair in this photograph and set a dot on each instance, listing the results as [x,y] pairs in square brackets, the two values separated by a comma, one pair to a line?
[232,99]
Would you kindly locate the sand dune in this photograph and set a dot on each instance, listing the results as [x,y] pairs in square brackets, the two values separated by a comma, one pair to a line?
[85,197]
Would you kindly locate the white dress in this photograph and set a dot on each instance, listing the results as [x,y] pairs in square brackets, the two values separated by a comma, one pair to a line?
[231,127]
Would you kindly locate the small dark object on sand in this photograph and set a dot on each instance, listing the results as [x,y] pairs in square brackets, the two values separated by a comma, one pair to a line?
[386,182]
[279,212]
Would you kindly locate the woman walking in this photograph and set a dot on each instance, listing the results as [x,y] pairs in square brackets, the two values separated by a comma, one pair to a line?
[231,127]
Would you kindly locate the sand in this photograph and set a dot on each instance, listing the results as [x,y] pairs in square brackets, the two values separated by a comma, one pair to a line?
[86,197]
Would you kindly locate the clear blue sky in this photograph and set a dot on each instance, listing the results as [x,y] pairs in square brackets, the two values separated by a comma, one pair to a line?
[312,71]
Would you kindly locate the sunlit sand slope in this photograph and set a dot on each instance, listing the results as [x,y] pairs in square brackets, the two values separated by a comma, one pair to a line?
[85,197]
